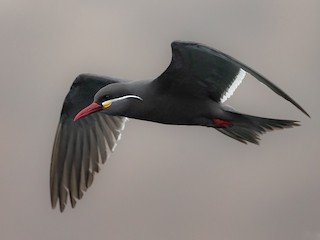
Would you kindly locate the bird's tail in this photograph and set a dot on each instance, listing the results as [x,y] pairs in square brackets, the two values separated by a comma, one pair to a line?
[246,128]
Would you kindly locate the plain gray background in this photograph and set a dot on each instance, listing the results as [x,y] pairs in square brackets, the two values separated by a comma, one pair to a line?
[163,182]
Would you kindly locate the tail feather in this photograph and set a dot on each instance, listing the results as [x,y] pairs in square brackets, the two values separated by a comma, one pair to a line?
[246,128]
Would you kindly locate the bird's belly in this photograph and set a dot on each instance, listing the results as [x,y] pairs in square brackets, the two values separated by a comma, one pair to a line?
[180,113]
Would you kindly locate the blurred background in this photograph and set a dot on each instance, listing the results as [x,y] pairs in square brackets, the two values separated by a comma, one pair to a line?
[162,182]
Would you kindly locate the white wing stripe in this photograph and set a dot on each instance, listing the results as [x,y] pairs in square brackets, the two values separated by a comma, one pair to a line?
[238,79]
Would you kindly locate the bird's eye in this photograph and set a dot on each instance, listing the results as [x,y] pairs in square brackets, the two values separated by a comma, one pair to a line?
[104,98]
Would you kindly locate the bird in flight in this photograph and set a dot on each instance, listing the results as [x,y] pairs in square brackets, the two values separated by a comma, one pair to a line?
[191,91]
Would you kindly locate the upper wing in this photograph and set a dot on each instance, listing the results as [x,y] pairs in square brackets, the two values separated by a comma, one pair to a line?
[80,146]
[201,71]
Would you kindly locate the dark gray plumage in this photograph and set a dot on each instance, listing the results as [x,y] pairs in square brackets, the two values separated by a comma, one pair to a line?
[191,91]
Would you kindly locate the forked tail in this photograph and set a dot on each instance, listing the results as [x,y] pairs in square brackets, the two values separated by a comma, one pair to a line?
[246,128]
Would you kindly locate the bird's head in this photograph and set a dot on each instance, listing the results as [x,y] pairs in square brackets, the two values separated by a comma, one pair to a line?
[115,95]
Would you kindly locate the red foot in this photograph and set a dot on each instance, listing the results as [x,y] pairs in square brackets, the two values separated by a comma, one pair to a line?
[221,123]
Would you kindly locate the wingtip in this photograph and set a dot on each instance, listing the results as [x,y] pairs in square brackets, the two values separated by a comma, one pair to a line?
[306,114]
[302,110]
[62,205]
[53,205]
[298,106]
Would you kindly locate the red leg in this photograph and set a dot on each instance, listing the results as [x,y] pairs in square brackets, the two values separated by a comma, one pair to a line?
[221,123]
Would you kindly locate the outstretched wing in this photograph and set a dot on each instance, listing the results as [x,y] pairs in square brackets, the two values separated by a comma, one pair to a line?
[201,71]
[80,146]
